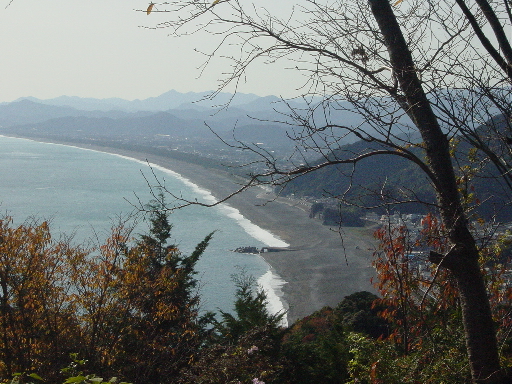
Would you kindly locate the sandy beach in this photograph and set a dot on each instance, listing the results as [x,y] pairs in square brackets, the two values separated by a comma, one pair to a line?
[321,266]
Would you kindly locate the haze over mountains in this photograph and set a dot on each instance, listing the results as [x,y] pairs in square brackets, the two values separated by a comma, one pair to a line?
[168,100]
[190,127]
[187,126]
[251,118]
[188,106]
[170,119]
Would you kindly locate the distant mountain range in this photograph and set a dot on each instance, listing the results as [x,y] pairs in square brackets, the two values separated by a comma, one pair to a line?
[192,104]
[180,125]
[185,126]
[172,114]
[157,121]
[168,100]
[244,109]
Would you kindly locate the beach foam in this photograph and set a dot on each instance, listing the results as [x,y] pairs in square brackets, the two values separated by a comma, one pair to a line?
[270,282]
[252,229]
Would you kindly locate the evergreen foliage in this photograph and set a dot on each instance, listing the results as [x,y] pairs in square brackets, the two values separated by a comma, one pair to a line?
[130,311]
[247,343]
[250,311]
[359,312]
[316,350]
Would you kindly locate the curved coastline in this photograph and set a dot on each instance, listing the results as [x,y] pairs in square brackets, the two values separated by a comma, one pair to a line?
[321,265]
[269,281]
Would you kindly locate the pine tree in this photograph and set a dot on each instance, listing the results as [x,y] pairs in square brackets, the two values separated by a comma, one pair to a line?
[250,311]
[162,328]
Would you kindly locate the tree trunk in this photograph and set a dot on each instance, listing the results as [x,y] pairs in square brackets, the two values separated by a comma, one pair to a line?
[462,260]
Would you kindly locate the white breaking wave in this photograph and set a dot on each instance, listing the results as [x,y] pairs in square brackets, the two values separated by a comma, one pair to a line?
[270,282]
[252,229]
[271,285]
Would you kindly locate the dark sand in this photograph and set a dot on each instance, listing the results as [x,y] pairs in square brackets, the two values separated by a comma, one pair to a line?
[322,265]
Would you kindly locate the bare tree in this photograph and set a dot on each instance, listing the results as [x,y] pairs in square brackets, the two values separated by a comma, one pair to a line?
[438,69]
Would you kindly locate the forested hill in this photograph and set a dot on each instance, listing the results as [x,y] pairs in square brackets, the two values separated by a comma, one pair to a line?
[390,179]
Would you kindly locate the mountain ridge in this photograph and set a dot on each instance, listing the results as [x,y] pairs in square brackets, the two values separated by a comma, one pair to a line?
[167,100]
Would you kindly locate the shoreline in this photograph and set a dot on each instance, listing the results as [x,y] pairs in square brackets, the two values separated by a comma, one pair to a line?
[321,266]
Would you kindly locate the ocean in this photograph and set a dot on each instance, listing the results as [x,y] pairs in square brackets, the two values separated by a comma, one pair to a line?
[85,192]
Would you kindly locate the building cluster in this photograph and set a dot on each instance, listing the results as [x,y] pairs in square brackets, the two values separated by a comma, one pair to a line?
[417,255]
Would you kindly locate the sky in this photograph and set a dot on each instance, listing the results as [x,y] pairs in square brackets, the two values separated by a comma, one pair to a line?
[92,48]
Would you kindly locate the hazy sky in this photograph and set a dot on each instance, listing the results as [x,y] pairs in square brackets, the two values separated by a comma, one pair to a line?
[93,48]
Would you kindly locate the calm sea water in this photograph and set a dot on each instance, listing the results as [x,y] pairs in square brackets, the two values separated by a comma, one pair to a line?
[85,192]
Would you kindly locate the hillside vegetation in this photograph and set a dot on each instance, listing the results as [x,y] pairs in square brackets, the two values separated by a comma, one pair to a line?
[131,313]
[385,183]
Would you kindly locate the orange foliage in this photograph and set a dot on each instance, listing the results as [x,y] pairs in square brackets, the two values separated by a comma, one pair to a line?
[114,306]
[37,313]
[417,300]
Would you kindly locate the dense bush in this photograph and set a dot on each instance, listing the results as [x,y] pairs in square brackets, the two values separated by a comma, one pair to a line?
[250,312]
[359,312]
[246,345]
[131,311]
[316,349]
